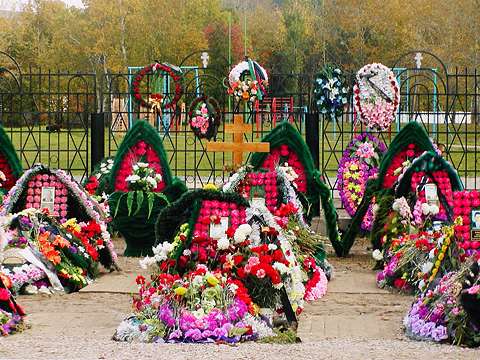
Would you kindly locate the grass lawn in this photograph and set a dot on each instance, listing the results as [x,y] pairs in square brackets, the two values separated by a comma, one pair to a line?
[188,158]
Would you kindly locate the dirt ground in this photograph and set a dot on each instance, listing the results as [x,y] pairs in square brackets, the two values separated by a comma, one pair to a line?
[355,320]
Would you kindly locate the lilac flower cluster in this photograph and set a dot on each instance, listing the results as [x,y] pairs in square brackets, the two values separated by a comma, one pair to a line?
[214,326]
[424,323]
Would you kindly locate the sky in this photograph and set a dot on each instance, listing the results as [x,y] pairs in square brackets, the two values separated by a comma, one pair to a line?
[11,4]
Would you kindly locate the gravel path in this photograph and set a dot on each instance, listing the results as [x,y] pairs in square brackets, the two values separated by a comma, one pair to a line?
[354,321]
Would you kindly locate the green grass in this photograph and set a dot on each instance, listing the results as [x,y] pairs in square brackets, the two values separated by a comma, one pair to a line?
[187,153]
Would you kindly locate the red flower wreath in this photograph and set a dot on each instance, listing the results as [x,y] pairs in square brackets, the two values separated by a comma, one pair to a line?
[151,69]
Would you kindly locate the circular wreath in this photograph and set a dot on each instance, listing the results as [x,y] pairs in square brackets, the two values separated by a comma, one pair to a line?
[157,99]
[204,117]
[360,163]
[330,91]
[247,81]
[376,96]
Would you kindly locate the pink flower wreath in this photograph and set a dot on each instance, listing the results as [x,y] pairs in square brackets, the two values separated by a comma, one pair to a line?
[140,152]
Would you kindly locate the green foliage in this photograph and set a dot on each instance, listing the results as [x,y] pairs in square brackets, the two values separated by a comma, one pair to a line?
[151,198]
[289,35]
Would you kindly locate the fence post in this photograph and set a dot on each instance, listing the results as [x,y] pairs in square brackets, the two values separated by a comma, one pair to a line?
[97,127]
[312,133]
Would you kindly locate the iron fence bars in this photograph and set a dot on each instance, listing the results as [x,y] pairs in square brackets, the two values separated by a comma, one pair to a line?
[47,115]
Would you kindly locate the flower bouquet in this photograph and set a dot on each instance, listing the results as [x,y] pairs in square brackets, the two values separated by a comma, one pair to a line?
[11,314]
[358,165]
[331,92]
[448,312]
[66,263]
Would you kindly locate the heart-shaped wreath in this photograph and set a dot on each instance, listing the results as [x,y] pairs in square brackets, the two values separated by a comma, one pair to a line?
[156,99]
[204,117]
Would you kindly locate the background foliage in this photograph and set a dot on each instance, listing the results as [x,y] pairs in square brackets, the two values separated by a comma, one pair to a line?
[285,35]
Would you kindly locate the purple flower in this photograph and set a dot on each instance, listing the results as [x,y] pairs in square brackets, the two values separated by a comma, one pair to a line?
[193,334]
[165,314]
[439,333]
[426,330]
[175,335]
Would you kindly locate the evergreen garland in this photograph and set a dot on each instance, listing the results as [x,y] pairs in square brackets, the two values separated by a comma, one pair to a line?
[7,149]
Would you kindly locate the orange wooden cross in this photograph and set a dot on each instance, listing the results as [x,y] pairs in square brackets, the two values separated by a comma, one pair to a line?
[238,147]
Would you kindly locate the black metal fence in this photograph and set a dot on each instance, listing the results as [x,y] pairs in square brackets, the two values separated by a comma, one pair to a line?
[49,116]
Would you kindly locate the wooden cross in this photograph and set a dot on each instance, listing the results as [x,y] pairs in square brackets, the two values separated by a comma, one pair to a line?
[238,147]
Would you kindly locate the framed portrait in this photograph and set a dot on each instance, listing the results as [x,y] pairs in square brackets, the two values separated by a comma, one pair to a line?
[431,194]
[217,231]
[47,199]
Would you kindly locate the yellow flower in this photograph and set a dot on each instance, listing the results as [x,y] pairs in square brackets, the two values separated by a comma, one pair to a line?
[434,272]
[72,223]
[437,263]
[180,291]
[256,309]
[441,256]
[458,221]
[210,186]
[350,186]
[355,176]
[212,280]
[354,167]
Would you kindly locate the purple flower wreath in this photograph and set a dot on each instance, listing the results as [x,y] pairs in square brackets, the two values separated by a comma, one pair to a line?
[359,163]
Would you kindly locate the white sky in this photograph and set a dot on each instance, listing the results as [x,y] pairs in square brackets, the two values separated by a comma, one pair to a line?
[12,4]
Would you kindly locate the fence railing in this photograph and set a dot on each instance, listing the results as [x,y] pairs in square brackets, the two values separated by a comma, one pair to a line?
[54,118]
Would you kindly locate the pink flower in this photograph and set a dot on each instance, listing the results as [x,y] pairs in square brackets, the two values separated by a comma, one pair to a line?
[474,290]
[260,273]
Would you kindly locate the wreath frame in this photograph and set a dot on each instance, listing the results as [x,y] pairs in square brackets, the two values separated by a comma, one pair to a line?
[214,116]
[152,69]
[325,106]
[357,100]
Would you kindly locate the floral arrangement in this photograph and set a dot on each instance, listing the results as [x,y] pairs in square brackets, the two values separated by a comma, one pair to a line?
[83,207]
[277,187]
[200,307]
[204,117]
[331,91]
[141,153]
[99,175]
[376,96]
[402,160]
[441,179]
[257,254]
[52,246]
[284,156]
[27,277]
[448,312]
[413,261]
[156,100]
[359,164]
[247,81]
[463,202]
[11,314]
[252,184]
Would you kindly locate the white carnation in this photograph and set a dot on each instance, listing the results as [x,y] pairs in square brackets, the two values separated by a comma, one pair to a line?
[242,232]
[223,244]
[377,255]
[426,267]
